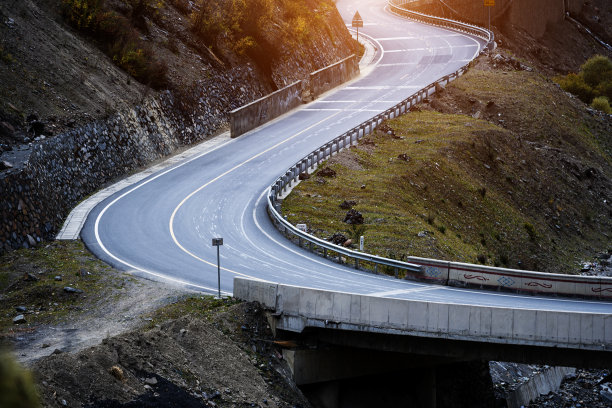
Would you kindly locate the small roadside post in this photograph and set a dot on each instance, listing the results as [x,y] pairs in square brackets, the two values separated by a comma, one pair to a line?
[218,242]
[488,4]
[357,22]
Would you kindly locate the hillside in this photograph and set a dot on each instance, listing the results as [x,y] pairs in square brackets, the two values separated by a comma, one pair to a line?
[501,168]
[61,66]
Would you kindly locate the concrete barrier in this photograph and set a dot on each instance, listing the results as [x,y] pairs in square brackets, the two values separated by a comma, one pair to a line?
[514,280]
[298,308]
[333,75]
[262,110]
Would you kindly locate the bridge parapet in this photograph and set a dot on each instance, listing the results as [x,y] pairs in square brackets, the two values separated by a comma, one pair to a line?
[298,308]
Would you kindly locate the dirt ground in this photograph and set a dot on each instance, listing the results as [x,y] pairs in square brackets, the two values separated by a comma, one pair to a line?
[217,353]
[122,340]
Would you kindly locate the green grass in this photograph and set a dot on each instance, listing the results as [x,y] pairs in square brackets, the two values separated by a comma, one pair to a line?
[45,298]
[480,192]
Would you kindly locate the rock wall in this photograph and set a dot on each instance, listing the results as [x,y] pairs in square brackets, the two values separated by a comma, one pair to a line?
[61,171]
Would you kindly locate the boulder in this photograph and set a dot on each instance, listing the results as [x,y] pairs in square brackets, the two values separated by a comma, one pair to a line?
[326,172]
[347,204]
[353,217]
[337,239]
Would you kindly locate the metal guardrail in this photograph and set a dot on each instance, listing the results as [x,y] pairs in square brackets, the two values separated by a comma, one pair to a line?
[434,271]
[395,6]
[325,248]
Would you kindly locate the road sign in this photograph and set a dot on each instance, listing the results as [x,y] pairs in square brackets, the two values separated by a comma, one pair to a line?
[489,3]
[218,242]
[358,21]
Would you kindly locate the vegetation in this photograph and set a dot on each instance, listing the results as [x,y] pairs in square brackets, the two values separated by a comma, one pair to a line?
[28,279]
[119,38]
[17,388]
[594,81]
[473,191]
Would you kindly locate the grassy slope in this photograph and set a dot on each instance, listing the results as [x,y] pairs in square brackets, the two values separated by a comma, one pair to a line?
[522,187]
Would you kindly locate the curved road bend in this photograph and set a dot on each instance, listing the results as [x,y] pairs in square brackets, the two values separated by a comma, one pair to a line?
[162,227]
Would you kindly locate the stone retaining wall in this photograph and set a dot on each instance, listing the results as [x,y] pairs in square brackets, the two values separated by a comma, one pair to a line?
[61,171]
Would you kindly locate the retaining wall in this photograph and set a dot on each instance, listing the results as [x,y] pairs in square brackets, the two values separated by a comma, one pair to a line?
[329,77]
[265,109]
[60,171]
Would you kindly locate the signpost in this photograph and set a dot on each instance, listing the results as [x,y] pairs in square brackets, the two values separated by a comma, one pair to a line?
[218,242]
[489,4]
[358,22]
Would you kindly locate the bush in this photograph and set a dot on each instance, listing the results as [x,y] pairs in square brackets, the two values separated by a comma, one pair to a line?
[596,70]
[574,84]
[601,103]
[16,386]
[605,89]
[118,38]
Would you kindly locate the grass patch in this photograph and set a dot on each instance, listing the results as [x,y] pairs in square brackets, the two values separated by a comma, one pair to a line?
[201,307]
[474,190]
[27,278]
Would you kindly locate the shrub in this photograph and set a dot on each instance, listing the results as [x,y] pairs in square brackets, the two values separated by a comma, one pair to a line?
[530,231]
[244,44]
[118,38]
[596,70]
[16,386]
[601,103]
[605,89]
[574,84]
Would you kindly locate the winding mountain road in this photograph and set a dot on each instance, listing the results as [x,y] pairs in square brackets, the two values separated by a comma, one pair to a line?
[162,226]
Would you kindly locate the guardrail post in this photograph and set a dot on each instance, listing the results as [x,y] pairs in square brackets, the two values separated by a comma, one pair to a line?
[325,253]
[395,271]
[357,263]
[376,268]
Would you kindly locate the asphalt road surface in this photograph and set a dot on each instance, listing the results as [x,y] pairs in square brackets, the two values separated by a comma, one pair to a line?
[162,227]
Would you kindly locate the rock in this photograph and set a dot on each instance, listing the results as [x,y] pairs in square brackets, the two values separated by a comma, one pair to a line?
[348,243]
[353,217]
[304,176]
[606,396]
[151,381]
[5,165]
[45,345]
[69,289]
[6,129]
[19,319]
[422,234]
[58,278]
[363,186]
[37,127]
[31,240]
[337,239]
[326,172]
[347,204]
[30,277]
[586,267]
[403,157]
[21,309]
